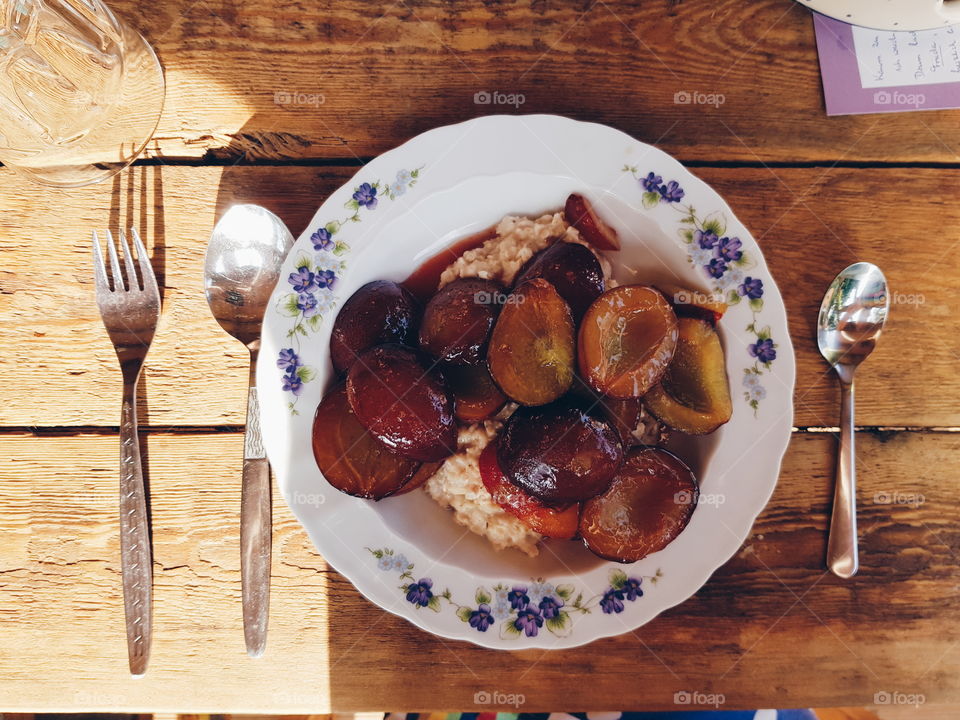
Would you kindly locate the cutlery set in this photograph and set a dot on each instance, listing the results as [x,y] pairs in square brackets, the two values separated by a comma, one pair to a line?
[242,267]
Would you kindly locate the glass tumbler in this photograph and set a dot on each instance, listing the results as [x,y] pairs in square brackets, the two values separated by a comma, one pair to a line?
[80,91]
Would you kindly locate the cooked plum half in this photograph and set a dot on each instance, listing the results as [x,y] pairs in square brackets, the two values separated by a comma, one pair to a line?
[405,405]
[694,394]
[688,302]
[559,453]
[580,213]
[572,269]
[648,504]
[627,339]
[379,312]
[531,351]
[350,458]
[458,319]
[419,478]
[476,396]
[561,524]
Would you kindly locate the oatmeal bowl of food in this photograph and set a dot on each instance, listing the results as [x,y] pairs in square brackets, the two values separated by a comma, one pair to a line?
[527,382]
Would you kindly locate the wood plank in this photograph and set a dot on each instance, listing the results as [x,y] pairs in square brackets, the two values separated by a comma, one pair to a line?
[60,370]
[387,71]
[771,628]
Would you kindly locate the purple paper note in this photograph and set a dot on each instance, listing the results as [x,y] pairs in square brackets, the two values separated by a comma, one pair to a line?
[880,71]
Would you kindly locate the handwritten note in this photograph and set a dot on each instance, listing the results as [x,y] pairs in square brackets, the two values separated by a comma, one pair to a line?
[894,59]
[877,71]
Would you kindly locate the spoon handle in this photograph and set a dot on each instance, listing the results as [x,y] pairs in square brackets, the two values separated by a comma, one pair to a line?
[256,528]
[842,554]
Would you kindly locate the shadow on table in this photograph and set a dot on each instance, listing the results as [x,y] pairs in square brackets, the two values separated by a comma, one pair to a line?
[292,192]
[136,201]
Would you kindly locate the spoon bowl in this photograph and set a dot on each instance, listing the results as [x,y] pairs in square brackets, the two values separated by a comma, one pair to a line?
[242,266]
[852,316]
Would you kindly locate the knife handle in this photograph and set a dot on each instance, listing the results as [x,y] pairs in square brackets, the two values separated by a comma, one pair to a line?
[255,530]
[136,562]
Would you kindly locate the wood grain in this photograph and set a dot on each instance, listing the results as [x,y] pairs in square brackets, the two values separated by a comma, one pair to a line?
[246,77]
[771,628]
[60,370]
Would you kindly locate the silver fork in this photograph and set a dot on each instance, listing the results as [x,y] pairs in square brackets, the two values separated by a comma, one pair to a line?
[130,312]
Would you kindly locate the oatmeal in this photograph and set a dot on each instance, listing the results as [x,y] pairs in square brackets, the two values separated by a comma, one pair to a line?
[457,485]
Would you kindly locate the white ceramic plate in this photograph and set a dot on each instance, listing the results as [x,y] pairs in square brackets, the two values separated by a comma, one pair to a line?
[890,14]
[407,554]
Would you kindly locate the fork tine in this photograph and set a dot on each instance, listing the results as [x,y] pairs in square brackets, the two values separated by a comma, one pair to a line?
[146,269]
[99,269]
[132,282]
[114,264]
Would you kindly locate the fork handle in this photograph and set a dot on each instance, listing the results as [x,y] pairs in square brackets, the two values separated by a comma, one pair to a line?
[256,528]
[135,557]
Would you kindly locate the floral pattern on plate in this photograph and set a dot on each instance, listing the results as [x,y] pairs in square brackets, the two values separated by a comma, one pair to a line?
[515,609]
[310,296]
[726,267]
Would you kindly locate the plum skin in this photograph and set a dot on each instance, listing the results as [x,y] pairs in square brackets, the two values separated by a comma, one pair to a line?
[458,319]
[402,403]
[572,269]
[378,312]
[350,458]
[559,453]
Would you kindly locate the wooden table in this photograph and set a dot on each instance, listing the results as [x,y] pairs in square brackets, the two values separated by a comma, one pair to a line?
[278,103]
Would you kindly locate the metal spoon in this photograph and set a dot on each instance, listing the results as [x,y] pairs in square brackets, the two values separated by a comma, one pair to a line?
[852,315]
[241,268]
